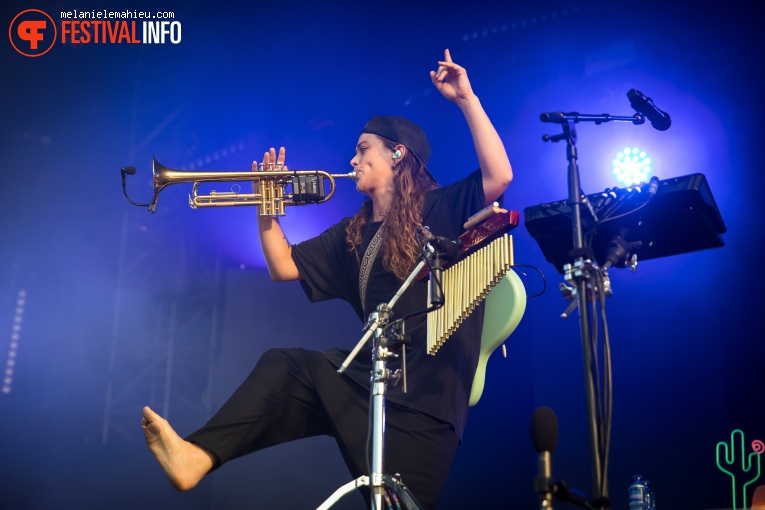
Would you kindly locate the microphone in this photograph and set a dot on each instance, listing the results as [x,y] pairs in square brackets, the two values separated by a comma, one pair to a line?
[446,249]
[640,103]
[544,434]
[443,250]
[129,170]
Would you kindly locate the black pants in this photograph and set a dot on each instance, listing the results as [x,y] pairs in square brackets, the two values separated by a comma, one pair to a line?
[294,393]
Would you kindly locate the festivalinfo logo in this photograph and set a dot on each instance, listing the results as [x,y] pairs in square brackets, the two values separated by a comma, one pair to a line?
[33,32]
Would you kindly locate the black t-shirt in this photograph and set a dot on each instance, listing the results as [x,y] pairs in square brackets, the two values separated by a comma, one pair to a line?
[438,385]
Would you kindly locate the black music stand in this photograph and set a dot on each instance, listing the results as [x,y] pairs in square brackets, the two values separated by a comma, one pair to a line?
[681,217]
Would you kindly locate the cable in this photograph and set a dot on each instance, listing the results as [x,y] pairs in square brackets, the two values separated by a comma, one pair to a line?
[602,380]
[653,187]
[544,280]
[396,502]
[607,387]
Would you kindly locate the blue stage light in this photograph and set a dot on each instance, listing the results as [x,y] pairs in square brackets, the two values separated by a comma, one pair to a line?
[632,166]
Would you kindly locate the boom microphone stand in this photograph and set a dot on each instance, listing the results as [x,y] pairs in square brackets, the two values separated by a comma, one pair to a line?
[381,376]
[581,275]
[435,250]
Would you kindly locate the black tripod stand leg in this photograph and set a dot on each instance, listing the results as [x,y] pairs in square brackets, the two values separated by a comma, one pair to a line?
[407,499]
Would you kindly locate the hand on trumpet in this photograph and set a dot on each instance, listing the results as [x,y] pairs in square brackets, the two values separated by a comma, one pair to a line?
[269,158]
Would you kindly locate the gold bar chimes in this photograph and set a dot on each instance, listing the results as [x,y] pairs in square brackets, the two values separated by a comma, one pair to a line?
[466,284]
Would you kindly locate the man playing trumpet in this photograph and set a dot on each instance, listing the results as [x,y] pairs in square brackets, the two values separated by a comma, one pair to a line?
[295,393]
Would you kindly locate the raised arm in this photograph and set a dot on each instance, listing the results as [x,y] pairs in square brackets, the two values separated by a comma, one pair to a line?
[276,249]
[452,81]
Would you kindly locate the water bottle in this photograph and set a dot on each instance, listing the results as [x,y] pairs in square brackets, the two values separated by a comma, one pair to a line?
[637,494]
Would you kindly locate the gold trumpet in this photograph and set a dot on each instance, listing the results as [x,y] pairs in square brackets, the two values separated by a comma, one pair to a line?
[270,187]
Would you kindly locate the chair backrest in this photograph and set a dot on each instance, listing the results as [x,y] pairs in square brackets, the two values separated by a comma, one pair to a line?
[504,307]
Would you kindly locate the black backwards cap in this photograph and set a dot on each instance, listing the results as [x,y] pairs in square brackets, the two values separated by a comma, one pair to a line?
[405,132]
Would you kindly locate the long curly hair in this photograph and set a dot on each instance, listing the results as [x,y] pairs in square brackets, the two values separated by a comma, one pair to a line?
[399,248]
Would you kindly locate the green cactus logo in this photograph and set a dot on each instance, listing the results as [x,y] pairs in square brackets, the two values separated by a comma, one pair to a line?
[740,469]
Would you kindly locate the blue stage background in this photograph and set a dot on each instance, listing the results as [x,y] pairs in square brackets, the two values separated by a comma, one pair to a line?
[107,284]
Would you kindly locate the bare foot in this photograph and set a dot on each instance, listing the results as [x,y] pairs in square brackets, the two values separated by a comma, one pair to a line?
[184,463]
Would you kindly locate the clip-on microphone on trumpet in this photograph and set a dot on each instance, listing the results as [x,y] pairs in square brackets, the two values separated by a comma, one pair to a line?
[130,170]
